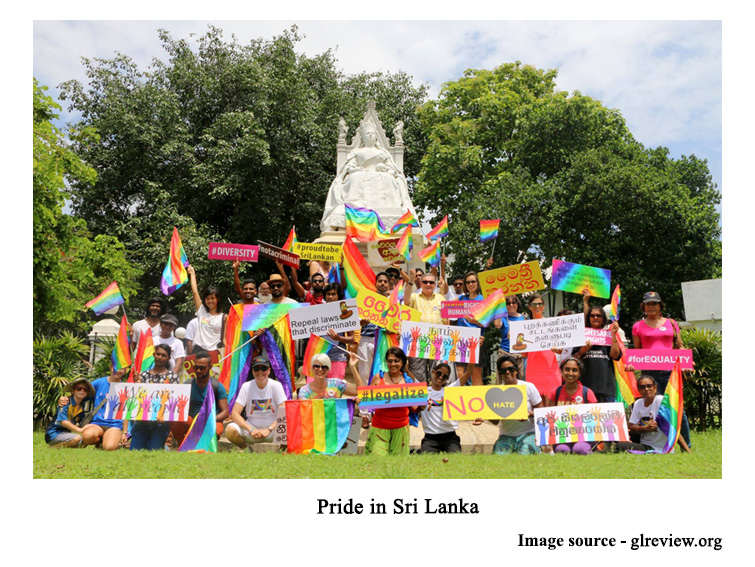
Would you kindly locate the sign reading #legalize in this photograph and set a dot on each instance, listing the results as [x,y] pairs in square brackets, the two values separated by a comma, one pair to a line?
[487,402]
[392,396]
[519,278]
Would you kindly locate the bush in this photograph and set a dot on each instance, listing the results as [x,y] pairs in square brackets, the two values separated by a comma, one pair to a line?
[702,391]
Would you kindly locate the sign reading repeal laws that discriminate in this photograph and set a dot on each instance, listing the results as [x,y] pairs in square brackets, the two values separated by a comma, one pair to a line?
[341,316]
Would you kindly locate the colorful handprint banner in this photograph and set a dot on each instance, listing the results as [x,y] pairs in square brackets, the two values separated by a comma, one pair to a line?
[519,278]
[583,422]
[148,402]
[441,342]
[576,278]
[549,332]
[486,402]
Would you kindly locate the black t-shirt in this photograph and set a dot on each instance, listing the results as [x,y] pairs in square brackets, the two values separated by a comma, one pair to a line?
[599,373]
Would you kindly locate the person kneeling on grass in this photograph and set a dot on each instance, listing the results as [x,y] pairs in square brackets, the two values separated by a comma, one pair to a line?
[66,430]
[261,399]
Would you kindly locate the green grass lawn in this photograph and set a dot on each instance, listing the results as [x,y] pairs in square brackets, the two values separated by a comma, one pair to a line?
[704,462]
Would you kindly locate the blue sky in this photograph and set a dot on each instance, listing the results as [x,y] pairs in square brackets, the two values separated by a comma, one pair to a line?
[664,76]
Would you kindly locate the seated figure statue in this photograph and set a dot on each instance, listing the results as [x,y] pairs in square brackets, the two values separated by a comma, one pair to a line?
[368,178]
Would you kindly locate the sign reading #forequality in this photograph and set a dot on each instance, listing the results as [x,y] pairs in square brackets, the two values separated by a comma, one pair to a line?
[658,358]
[487,402]
[549,332]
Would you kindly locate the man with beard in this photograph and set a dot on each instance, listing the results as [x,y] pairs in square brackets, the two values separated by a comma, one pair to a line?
[276,284]
[246,290]
[313,297]
[151,321]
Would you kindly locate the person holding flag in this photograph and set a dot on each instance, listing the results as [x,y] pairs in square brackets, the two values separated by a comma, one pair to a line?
[643,422]
[472,293]
[324,387]
[209,335]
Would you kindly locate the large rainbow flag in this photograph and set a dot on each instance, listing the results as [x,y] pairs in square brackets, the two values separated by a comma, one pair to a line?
[318,426]
[290,241]
[440,230]
[356,270]
[363,224]
[315,345]
[277,362]
[489,229]
[407,220]
[431,254]
[121,355]
[626,383]
[109,298]
[383,341]
[202,435]
[235,368]
[144,359]
[669,416]
[174,274]
[281,333]
[491,308]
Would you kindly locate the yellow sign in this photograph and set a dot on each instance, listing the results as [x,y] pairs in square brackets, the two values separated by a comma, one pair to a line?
[324,252]
[487,402]
[372,305]
[519,278]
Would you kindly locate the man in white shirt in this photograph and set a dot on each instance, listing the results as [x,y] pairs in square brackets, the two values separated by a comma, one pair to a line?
[151,321]
[168,324]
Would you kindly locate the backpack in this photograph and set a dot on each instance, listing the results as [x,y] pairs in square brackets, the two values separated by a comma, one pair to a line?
[584,393]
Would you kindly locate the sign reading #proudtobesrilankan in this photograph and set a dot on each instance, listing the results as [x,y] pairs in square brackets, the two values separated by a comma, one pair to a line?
[519,278]
[274,253]
[341,316]
[225,251]
[547,333]
[576,277]
[392,396]
[583,422]
[658,358]
[319,252]
[372,305]
[487,402]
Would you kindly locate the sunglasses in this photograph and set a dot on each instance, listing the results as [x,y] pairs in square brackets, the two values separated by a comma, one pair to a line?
[393,361]
[536,304]
[197,367]
[441,374]
[319,367]
[512,303]
[275,285]
[508,370]
[80,388]
[596,315]
[428,282]
[259,368]
[646,386]
[318,281]
[471,281]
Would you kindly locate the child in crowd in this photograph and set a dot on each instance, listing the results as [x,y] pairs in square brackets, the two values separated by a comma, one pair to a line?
[66,429]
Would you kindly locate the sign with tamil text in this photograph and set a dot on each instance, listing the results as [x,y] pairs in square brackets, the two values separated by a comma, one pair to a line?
[582,422]
[546,333]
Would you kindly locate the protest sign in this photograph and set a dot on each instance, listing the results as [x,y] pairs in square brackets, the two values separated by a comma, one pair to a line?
[274,253]
[547,333]
[598,337]
[148,402]
[658,358]
[372,305]
[487,402]
[576,278]
[583,422]
[226,251]
[441,342]
[519,278]
[263,315]
[392,396]
[317,251]
[188,365]
[456,309]
[341,316]
[383,252]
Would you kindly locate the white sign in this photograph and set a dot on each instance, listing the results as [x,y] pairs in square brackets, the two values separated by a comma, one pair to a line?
[441,342]
[544,334]
[341,316]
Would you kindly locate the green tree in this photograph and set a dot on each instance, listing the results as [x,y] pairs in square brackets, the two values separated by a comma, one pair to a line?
[71,266]
[568,180]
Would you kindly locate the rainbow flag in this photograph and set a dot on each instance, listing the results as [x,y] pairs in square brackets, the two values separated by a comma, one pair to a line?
[174,274]
[144,359]
[316,345]
[262,315]
[356,270]
[491,308]
[121,356]
[626,384]
[318,426]
[431,254]
[334,274]
[383,341]
[669,416]
[396,296]
[363,224]
[405,244]
[489,229]
[440,231]
[281,334]
[615,303]
[235,368]
[407,220]
[290,241]
[202,435]
[108,299]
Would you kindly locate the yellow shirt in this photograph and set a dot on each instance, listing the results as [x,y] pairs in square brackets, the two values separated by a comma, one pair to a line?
[430,308]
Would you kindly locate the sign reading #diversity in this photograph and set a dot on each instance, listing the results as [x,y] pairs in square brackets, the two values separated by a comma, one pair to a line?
[583,422]
[392,396]
[441,342]
[576,278]
[226,251]
[658,358]
[519,278]
[487,402]
[341,316]
[549,332]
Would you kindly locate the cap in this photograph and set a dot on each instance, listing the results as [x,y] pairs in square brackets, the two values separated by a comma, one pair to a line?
[168,318]
[651,297]
[72,385]
[260,361]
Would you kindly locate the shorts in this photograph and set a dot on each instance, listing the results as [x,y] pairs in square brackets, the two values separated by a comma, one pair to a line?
[448,442]
[248,438]
[64,438]
[521,445]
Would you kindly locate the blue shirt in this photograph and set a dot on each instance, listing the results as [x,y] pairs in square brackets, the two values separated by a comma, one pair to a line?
[462,322]
[505,342]
[197,396]
[69,412]
[101,391]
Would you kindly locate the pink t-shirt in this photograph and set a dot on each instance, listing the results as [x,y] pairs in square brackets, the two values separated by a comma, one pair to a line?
[564,399]
[662,337]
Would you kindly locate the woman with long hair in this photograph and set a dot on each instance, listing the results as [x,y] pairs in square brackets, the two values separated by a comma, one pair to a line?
[472,293]
[599,374]
[209,335]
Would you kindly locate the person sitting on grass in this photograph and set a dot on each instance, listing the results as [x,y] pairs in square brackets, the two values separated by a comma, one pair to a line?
[66,430]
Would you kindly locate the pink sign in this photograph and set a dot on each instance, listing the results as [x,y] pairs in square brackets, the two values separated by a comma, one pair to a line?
[225,251]
[599,337]
[658,358]
[456,309]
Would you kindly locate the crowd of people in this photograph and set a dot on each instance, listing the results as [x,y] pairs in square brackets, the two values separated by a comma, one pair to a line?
[550,378]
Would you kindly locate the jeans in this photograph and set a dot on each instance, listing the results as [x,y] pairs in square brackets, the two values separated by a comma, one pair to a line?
[149,435]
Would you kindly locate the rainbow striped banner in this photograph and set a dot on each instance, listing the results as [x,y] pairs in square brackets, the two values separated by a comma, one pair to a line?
[491,308]
[392,396]
[383,341]
[440,230]
[174,274]
[431,254]
[109,298]
[202,435]
[363,224]
[290,241]
[405,244]
[121,355]
[669,416]
[235,369]
[145,357]
[280,332]
[318,426]
[615,303]
[316,345]
[489,229]
[407,220]
[356,270]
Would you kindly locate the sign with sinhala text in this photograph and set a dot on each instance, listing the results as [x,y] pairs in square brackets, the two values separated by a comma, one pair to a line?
[583,422]
[372,305]
[519,278]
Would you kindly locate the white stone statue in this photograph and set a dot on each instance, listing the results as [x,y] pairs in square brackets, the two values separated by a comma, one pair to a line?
[369,177]
[398,133]
[342,131]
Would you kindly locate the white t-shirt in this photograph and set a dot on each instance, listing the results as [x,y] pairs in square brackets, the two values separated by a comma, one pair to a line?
[177,349]
[432,417]
[641,414]
[261,404]
[140,327]
[191,329]
[285,300]
[209,327]
[514,427]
